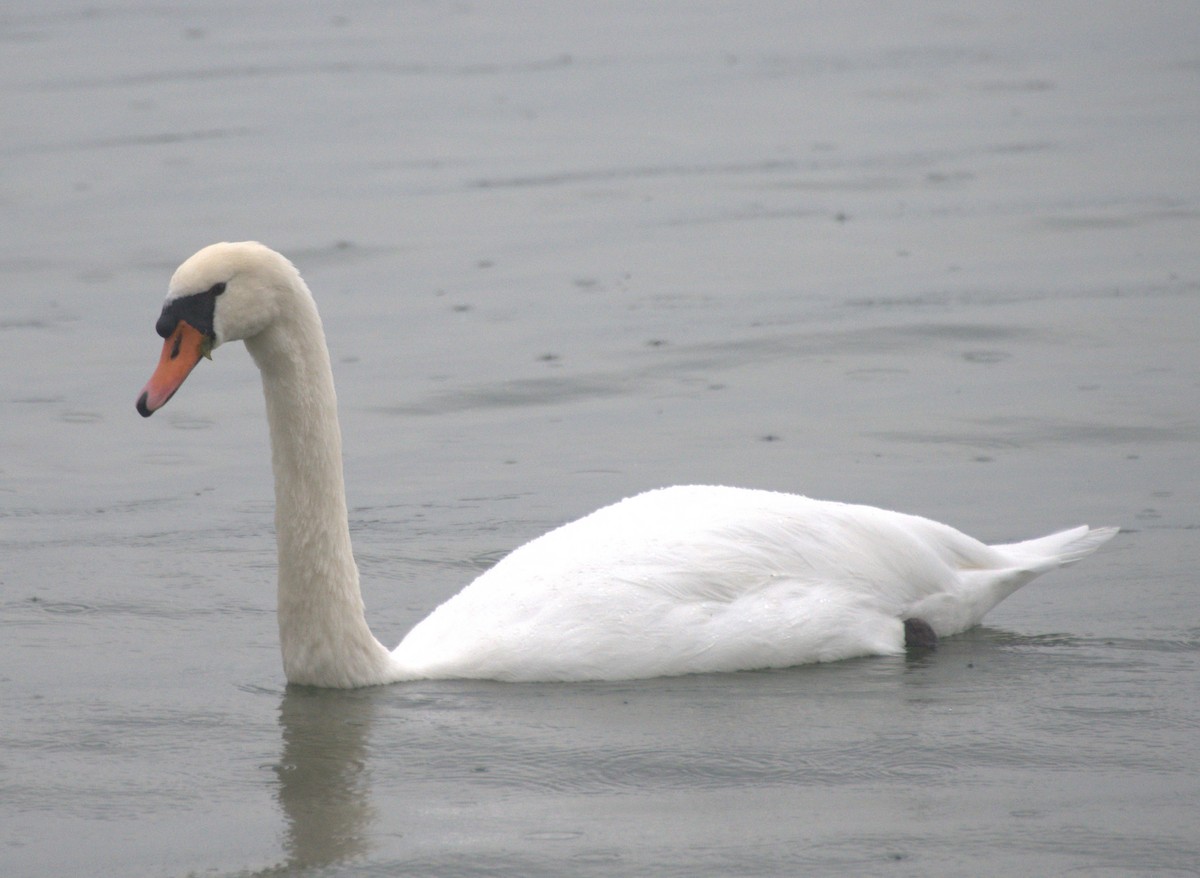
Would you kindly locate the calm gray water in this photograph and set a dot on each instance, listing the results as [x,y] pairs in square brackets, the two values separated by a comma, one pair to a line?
[935,257]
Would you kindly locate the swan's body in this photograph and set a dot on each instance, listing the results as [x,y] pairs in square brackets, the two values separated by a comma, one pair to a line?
[675,581]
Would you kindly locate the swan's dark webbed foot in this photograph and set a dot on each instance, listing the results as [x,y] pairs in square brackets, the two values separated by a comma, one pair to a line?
[919,635]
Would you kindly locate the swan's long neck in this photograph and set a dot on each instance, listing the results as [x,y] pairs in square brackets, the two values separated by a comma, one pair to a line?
[323,634]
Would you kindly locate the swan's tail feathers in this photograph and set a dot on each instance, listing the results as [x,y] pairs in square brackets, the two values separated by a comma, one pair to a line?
[1062,548]
[1014,565]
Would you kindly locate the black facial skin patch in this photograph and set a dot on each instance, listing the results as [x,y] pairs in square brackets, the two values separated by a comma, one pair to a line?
[196,310]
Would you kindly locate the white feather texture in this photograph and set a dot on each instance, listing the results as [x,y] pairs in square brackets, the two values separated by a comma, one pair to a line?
[674,581]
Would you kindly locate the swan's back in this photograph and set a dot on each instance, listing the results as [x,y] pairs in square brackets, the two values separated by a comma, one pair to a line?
[697,579]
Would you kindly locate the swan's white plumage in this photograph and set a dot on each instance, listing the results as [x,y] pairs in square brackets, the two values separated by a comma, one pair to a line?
[674,581]
[703,578]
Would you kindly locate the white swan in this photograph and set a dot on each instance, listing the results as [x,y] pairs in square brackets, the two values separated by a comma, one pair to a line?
[673,581]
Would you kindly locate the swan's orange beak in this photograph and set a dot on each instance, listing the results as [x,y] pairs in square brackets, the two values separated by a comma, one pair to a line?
[181,352]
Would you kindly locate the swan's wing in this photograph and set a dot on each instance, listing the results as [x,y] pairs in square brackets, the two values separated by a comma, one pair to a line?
[635,633]
[693,579]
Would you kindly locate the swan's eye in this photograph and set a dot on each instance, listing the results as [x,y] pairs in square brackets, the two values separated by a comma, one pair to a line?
[197,309]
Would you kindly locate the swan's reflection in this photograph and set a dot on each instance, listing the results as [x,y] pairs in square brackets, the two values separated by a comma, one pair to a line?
[324,778]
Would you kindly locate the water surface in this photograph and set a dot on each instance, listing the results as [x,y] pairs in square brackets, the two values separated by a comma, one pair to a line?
[934,259]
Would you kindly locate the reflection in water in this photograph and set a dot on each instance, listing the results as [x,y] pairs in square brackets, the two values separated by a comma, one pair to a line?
[324,782]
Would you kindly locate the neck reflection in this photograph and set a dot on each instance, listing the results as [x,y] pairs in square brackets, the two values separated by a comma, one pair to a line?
[324,778]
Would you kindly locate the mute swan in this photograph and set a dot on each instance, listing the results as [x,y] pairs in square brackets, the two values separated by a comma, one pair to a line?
[674,581]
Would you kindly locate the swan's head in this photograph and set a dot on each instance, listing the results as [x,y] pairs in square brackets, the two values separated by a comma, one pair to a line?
[225,292]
